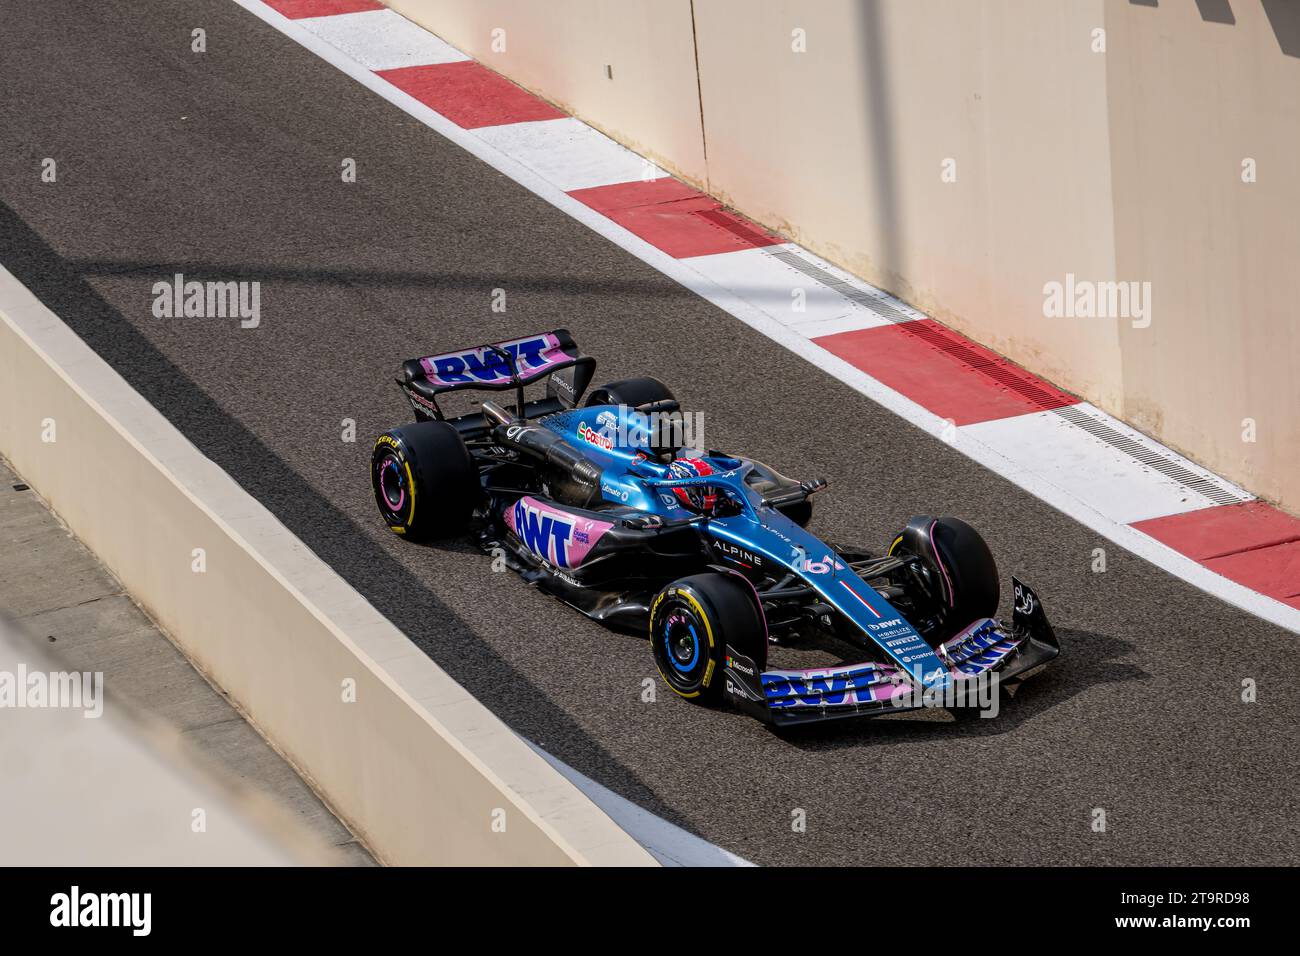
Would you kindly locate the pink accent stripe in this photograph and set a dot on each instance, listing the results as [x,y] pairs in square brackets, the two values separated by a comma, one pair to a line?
[939,561]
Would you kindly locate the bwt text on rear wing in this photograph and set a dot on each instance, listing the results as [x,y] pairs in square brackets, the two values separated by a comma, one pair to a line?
[497,366]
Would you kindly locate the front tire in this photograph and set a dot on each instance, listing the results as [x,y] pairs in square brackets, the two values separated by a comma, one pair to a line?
[963,574]
[692,621]
[425,482]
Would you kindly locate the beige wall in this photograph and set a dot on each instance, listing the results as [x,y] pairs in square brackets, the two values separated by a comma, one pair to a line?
[1189,101]
[1122,164]
[559,49]
[842,148]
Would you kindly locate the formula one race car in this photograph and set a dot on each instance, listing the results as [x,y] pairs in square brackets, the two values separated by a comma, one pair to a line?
[600,504]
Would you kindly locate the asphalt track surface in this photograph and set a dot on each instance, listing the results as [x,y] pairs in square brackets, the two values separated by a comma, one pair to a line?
[225,166]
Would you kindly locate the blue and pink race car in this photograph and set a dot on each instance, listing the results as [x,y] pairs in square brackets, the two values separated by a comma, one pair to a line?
[602,504]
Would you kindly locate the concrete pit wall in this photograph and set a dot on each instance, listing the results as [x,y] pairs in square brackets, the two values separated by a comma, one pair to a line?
[419,770]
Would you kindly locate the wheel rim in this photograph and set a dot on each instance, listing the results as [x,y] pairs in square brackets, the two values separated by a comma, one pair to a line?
[392,484]
[681,645]
[682,641]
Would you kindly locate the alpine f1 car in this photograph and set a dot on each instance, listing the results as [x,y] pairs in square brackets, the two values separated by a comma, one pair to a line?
[598,503]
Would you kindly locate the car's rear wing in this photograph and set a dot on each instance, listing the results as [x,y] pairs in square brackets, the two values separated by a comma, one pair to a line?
[553,356]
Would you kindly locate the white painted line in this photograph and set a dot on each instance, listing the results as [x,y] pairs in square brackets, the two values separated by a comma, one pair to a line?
[1080,465]
[770,285]
[969,444]
[850,322]
[568,153]
[382,40]
[848,285]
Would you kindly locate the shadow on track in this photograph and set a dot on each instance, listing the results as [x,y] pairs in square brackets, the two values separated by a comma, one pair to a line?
[61,285]
[359,278]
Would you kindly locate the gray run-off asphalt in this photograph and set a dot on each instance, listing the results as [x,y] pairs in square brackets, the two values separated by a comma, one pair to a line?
[226,166]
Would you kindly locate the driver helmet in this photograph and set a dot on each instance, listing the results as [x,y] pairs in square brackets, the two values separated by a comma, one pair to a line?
[700,498]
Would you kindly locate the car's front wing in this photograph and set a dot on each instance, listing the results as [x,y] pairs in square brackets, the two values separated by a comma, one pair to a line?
[986,652]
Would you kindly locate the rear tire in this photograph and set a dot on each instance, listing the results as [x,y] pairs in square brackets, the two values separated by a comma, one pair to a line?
[425,482]
[634,392]
[631,392]
[963,574]
[693,620]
